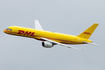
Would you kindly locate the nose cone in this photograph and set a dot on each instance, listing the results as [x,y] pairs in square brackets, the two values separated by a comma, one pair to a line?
[5,31]
[8,31]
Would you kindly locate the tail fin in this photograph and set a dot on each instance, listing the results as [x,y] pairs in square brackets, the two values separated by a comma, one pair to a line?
[88,32]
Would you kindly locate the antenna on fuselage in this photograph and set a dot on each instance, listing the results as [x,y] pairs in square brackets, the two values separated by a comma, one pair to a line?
[37,25]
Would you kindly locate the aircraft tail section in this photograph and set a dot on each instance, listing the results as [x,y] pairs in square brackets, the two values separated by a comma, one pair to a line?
[88,32]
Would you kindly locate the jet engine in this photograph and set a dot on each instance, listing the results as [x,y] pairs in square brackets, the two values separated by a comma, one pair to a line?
[47,44]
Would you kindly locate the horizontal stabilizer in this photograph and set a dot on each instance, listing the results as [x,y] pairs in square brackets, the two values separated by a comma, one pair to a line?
[91,43]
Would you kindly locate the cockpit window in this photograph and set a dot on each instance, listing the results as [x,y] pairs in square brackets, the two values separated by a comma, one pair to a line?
[9,29]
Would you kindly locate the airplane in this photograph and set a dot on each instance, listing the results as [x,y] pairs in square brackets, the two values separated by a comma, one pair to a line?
[49,39]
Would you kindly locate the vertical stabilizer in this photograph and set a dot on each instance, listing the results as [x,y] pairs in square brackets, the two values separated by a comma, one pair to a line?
[88,32]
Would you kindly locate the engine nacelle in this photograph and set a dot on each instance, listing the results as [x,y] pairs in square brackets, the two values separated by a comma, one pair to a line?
[47,44]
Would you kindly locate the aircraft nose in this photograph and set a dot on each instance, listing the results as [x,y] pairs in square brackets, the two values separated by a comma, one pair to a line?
[4,31]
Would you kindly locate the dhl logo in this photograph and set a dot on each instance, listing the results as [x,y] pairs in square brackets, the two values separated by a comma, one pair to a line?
[87,33]
[26,33]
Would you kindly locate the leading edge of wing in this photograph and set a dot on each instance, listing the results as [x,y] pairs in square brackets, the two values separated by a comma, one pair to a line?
[60,44]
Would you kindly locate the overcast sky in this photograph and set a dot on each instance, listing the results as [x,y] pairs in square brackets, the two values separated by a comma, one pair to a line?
[64,16]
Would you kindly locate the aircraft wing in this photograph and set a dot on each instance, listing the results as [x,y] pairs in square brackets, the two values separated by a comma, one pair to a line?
[37,25]
[51,41]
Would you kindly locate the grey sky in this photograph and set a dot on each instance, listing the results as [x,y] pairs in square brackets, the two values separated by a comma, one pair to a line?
[64,16]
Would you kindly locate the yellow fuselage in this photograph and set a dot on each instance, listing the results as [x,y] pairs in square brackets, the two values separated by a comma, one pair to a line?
[37,34]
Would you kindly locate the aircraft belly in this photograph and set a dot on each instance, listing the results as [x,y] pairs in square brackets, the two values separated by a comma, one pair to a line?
[64,41]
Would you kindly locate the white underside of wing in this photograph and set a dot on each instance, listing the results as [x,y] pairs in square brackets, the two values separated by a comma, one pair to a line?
[60,44]
[37,25]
